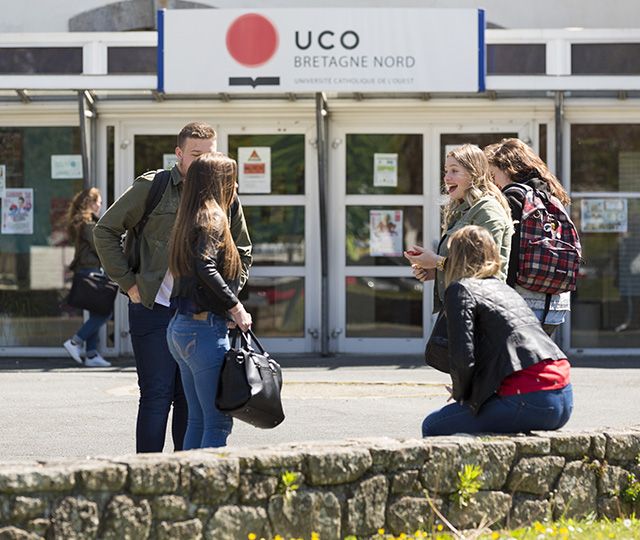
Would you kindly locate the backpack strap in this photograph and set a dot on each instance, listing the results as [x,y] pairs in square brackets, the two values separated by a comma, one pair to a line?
[158,186]
[547,305]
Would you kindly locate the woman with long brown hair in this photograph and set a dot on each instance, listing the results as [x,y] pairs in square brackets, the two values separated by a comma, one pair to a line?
[205,265]
[507,375]
[513,164]
[82,217]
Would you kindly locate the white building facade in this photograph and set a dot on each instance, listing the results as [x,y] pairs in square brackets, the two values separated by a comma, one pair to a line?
[329,168]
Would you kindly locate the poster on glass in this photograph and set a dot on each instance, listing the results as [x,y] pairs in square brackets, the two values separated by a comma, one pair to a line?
[17,211]
[254,169]
[385,233]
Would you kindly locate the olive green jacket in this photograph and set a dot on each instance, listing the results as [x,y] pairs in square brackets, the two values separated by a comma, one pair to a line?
[126,212]
[486,212]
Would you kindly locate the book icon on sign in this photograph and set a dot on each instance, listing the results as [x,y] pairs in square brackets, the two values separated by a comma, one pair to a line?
[258,81]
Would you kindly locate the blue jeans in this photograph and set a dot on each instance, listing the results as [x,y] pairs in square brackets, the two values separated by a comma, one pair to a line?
[199,348]
[158,379]
[89,332]
[544,410]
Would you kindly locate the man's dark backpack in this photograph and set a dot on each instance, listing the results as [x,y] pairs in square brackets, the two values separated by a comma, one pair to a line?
[132,238]
[550,250]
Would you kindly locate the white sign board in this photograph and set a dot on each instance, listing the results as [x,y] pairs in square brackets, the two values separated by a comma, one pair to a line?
[66,166]
[17,211]
[254,169]
[385,170]
[168,161]
[327,49]
[385,233]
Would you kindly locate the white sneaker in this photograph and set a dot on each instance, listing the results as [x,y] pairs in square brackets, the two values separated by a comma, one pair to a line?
[96,361]
[75,351]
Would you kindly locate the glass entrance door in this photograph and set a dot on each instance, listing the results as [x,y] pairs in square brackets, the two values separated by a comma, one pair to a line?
[386,198]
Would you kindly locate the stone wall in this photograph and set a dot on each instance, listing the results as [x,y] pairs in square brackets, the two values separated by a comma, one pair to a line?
[345,488]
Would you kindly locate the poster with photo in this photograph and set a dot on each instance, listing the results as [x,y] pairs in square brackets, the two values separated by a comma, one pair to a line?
[254,169]
[66,166]
[3,180]
[17,211]
[385,170]
[385,233]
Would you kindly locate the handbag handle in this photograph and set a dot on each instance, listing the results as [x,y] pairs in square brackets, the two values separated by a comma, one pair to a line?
[245,340]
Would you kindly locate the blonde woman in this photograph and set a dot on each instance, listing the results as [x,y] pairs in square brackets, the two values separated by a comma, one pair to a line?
[507,374]
[473,200]
[82,217]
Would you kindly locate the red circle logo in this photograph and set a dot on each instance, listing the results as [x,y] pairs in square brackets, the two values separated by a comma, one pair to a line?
[252,40]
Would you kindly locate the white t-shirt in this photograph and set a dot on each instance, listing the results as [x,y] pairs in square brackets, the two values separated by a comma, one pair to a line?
[164,292]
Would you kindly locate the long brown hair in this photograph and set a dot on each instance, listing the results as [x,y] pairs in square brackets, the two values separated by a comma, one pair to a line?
[208,192]
[79,211]
[473,160]
[472,253]
[521,163]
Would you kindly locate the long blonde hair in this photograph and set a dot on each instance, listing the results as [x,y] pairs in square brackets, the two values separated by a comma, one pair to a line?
[472,253]
[209,190]
[79,211]
[474,161]
[521,163]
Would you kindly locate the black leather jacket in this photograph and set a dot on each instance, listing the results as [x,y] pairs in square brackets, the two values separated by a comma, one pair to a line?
[492,333]
[206,289]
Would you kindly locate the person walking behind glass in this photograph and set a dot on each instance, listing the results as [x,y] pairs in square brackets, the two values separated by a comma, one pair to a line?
[82,217]
[507,374]
[149,289]
[205,264]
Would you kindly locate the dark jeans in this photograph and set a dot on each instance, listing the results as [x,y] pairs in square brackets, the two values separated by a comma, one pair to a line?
[158,379]
[90,330]
[544,410]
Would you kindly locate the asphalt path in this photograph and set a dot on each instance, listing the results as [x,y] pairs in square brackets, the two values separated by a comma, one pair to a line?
[53,408]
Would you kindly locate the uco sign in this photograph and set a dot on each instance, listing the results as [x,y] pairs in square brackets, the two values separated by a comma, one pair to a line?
[309,50]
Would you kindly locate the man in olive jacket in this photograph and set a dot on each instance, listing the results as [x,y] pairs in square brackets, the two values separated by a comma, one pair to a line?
[149,289]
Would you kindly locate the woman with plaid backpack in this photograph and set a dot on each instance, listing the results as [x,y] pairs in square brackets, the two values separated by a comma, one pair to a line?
[525,180]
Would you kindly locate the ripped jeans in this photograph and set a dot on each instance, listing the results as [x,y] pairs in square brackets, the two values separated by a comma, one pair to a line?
[199,348]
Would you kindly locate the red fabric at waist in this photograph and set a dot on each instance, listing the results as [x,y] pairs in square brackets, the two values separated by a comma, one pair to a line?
[545,375]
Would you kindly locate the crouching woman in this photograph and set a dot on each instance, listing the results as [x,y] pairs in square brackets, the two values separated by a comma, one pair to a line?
[507,375]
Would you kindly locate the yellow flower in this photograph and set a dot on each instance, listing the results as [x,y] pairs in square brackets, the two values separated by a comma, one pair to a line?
[495,534]
[380,532]
[315,536]
[439,527]
[252,536]
[539,527]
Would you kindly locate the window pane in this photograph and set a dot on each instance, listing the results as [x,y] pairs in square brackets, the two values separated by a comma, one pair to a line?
[521,59]
[377,236]
[277,234]
[131,60]
[149,151]
[384,307]
[605,310]
[276,306]
[287,159]
[605,58]
[402,178]
[34,275]
[605,157]
[49,60]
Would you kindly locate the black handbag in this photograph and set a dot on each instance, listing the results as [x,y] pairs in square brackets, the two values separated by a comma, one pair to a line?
[94,292]
[436,352]
[250,383]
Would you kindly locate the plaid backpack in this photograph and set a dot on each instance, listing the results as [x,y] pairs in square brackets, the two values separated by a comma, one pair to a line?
[550,251]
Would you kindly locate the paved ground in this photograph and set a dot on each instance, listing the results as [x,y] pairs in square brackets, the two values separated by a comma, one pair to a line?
[52,408]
